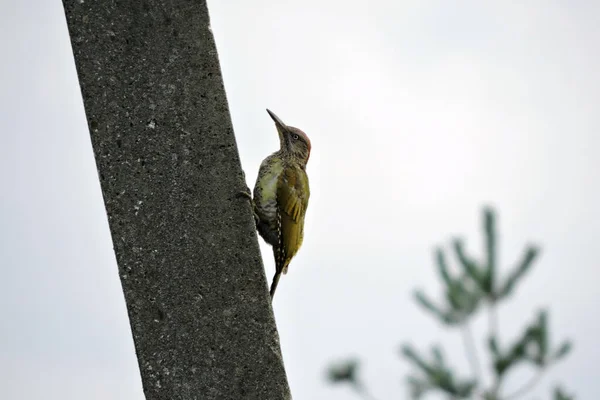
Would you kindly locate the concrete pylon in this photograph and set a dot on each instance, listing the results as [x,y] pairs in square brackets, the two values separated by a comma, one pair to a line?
[169,168]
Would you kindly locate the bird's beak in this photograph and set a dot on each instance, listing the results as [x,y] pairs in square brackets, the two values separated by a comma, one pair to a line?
[279,123]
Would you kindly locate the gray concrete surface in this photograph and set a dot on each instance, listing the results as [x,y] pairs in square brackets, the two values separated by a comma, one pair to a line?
[169,167]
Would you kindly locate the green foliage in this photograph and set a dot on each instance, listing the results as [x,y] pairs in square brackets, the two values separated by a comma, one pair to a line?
[464,294]
[343,372]
[435,374]
[560,395]
[532,347]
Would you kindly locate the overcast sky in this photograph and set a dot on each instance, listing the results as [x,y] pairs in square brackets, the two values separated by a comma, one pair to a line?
[419,113]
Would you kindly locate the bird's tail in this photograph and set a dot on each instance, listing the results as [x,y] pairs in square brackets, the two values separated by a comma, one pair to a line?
[274,284]
[281,266]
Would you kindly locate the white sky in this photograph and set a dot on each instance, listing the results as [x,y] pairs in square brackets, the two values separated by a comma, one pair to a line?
[419,114]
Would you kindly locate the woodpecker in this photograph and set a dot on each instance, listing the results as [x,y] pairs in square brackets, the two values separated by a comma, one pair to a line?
[281,196]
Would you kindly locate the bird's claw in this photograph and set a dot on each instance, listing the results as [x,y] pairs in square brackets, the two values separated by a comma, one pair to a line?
[248,194]
[245,193]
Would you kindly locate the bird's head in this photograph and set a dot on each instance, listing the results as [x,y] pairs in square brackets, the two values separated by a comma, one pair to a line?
[293,141]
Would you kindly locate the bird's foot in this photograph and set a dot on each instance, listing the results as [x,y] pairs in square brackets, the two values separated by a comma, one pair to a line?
[245,193]
[248,194]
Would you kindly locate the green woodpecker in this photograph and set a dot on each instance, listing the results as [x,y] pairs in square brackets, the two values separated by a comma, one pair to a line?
[281,196]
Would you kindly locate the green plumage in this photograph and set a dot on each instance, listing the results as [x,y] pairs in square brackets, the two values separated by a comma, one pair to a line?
[281,195]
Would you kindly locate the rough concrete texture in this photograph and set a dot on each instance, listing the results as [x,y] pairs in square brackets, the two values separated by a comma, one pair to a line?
[187,250]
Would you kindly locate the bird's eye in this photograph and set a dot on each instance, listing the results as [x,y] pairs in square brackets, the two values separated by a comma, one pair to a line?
[295,137]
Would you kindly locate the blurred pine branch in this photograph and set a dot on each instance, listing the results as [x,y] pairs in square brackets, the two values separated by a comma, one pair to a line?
[477,284]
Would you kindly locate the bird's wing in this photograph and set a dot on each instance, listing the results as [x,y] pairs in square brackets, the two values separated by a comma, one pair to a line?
[292,195]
